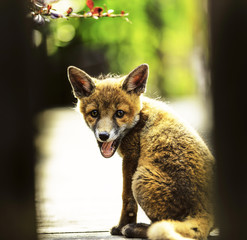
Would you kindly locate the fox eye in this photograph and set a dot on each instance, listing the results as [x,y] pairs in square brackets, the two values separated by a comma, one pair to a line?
[119,113]
[94,113]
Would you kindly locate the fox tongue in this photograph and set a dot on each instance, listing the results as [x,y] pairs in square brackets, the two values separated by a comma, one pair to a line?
[107,149]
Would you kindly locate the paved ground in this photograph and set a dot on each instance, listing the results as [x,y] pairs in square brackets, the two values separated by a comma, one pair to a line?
[78,192]
[79,236]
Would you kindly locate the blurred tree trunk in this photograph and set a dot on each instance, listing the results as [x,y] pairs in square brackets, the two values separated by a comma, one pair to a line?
[229,65]
[17,218]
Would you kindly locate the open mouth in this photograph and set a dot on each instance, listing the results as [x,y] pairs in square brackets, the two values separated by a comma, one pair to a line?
[107,149]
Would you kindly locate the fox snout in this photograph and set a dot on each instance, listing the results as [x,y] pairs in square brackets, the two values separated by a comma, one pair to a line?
[107,135]
[104,130]
[103,136]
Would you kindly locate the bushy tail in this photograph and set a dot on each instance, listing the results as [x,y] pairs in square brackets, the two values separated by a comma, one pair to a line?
[190,229]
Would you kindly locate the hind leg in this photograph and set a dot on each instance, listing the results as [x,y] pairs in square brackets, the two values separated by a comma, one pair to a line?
[160,198]
[151,204]
[156,193]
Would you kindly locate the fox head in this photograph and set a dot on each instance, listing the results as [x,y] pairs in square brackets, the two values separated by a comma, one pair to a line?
[111,107]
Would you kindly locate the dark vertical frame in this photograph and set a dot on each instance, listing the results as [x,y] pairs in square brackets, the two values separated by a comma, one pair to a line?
[228,30]
[17,206]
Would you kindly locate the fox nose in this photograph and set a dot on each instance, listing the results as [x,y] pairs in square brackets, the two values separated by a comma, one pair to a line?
[104,136]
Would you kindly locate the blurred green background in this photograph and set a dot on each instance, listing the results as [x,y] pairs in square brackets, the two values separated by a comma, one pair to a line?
[169,35]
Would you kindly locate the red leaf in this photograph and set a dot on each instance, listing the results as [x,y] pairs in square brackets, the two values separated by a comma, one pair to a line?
[90,4]
[97,10]
[69,11]
[49,6]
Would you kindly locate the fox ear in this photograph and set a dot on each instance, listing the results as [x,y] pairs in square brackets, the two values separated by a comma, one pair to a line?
[82,84]
[136,80]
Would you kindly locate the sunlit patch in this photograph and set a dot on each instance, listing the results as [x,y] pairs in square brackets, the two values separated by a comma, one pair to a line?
[65,33]
[68,191]
[37,38]
[50,46]
[76,188]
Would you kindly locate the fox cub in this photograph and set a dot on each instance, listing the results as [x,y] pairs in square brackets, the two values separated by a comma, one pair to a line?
[167,168]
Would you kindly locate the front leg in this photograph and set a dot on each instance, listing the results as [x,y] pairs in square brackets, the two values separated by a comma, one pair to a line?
[129,207]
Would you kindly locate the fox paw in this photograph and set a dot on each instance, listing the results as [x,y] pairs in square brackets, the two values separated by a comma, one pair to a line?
[116,231]
[135,230]
[127,230]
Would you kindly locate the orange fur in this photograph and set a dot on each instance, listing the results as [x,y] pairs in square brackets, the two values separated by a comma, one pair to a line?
[167,168]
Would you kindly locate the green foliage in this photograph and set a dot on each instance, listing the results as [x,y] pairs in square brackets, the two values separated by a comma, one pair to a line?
[162,33]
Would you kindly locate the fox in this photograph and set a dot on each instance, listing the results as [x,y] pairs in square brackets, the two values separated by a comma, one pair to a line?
[167,168]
